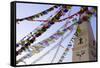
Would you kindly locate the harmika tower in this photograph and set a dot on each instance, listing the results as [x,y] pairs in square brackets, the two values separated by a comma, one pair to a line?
[85,44]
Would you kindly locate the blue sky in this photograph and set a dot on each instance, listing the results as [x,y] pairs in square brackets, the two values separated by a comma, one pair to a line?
[25,10]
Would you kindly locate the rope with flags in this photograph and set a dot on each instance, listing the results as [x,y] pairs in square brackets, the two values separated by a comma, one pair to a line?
[40,31]
[83,18]
[30,18]
[38,14]
[41,25]
[66,50]
[51,49]
[93,11]
[54,36]
[80,12]
[50,40]
[63,19]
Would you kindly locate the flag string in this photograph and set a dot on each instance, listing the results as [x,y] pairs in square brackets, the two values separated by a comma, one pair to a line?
[51,38]
[39,32]
[43,13]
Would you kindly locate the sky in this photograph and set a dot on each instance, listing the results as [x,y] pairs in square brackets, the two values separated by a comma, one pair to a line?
[25,27]
[25,10]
